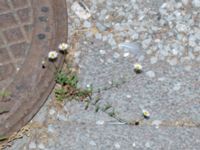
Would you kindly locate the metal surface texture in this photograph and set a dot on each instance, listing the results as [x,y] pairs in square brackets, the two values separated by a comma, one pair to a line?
[29,29]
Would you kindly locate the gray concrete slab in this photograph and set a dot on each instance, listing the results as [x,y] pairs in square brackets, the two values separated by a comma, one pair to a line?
[164,39]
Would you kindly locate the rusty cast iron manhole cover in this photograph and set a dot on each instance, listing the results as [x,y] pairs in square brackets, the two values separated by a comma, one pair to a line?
[29,29]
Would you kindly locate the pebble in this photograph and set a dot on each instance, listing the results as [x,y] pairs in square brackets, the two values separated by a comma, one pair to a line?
[88,34]
[87,24]
[98,36]
[32,145]
[126,54]
[61,117]
[92,143]
[52,111]
[141,58]
[146,43]
[128,96]
[196,3]
[151,74]
[41,146]
[134,145]
[147,145]
[188,68]
[100,27]
[154,60]
[177,87]
[174,52]
[173,61]
[116,55]
[185,2]
[80,10]
[117,145]
[161,79]
[51,129]
[102,52]
[156,123]
[100,122]
[182,28]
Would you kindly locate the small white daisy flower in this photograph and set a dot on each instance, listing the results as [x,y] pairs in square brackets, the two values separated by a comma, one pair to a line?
[146,114]
[63,47]
[138,68]
[52,55]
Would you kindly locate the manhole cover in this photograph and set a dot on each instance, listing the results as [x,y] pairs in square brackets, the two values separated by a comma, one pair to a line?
[16,18]
[29,29]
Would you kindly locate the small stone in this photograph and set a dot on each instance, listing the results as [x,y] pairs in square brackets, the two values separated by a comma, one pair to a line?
[32,145]
[110,61]
[98,36]
[179,5]
[88,34]
[52,112]
[196,3]
[150,74]
[88,86]
[173,61]
[18,69]
[117,145]
[134,145]
[192,40]
[87,24]
[116,55]
[147,145]
[41,146]
[188,68]
[51,129]
[100,122]
[156,123]
[146,43]
[100,27]
[102,52]
[185,2]
[77,57]
[177,87]
[174,52]
[182,28]
[61,117]
[141,58]
[135,36]
[126,54]
[112,41]
[81,10]
[92,143]
[154,60]
[162,79]
[128,96]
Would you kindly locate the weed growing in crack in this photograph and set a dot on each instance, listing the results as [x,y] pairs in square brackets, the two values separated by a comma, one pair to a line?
[60,94]
[106,107]
[97,108]
[87,104]
[112,113]
[63,79]
[69,89]
[4,94]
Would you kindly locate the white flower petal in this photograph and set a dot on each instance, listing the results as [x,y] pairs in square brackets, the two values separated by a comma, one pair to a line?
[52,55]
[63,46]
